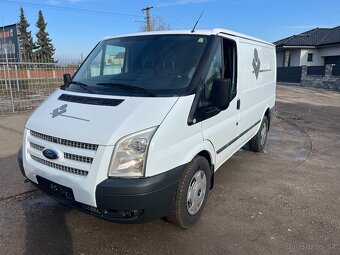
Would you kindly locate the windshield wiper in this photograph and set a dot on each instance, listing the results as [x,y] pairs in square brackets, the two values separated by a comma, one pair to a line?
[83,86]
[125,86]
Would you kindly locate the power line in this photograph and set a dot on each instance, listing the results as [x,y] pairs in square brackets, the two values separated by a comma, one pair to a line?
[72,9]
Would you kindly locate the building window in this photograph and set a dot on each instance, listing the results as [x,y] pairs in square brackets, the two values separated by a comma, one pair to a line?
[310,57]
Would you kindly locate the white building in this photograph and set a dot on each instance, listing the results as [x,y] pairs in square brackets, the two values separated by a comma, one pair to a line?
[317,47]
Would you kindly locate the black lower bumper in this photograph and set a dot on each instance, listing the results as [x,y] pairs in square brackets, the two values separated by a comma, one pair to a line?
[146,198]
[20,161]
[122,200]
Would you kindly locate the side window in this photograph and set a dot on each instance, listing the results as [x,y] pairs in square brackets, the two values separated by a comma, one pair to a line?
[215,71]
[223,65]
[114,60]
[230,64]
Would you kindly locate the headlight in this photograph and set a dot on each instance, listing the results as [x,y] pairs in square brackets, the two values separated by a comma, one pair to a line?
[129,156]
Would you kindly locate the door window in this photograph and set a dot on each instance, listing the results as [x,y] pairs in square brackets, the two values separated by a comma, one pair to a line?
[95,67]
[215,71]
[108,63]
[230,64]
[223,65]
[114,60]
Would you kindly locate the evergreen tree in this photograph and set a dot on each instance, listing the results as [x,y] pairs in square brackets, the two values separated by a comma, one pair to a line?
[25,38]
[44,47]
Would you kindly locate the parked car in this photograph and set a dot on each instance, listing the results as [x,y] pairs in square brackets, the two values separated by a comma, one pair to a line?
[143,140]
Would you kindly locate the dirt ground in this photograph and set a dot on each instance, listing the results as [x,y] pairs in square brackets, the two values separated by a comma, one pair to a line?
[283,201]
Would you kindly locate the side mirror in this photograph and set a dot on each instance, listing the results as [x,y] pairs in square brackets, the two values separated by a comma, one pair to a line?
[67,79]
[221,93]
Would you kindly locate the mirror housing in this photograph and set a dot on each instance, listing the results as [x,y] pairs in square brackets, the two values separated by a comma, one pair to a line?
[221,93]
[67,78]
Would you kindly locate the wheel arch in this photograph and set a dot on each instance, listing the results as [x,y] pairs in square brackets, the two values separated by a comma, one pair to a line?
[269,114]
[209,153]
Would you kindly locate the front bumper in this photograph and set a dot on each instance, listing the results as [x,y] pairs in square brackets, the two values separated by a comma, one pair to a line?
[122,200]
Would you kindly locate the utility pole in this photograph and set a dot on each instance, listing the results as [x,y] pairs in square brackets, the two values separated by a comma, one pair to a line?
[148,19]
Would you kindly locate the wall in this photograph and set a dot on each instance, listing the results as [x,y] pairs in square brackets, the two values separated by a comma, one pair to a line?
[24,72]
[330,51]
[327,81]
[318,60]
[298,76]
[298,57]
[295,57]
[279,58]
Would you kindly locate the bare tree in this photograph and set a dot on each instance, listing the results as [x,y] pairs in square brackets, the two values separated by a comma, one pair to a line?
[157,24]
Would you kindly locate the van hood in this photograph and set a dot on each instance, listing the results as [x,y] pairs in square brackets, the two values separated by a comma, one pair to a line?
[97,124]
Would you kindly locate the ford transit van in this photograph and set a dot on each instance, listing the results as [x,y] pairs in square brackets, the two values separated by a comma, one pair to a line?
[140,129]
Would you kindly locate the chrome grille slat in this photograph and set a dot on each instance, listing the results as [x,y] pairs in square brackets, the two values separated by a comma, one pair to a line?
[36,146]
[78,158]
[60,167]
[52,139]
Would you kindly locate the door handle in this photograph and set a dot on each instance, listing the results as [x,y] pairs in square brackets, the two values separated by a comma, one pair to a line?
[238,104]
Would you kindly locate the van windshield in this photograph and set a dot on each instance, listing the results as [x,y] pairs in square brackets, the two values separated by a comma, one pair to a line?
[152,65]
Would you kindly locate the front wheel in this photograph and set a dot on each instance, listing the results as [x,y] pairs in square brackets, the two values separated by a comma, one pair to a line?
[192,193]
[258,142]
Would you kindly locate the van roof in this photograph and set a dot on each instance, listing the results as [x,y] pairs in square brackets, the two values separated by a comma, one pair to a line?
[214,31]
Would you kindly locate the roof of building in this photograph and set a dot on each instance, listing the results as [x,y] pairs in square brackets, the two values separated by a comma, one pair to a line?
[214,31]
[315,37]
[120,55]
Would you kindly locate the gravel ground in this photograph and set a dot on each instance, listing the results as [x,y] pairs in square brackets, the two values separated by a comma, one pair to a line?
[283,201]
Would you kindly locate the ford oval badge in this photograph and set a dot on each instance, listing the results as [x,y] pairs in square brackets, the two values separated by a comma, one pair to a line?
[50,154]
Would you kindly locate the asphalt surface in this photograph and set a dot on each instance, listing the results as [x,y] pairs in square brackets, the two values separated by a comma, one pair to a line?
[283,201]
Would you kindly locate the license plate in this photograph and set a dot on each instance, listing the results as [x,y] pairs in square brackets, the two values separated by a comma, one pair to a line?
[54,189]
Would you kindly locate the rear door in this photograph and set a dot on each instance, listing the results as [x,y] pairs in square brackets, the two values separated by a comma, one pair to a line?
[222,129]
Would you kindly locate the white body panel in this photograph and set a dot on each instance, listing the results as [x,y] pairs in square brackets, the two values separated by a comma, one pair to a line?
[109,123]
[258,94]
[174,143]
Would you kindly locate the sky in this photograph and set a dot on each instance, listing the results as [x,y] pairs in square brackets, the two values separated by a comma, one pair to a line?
[75,26]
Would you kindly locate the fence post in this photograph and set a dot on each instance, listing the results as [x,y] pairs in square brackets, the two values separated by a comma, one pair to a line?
[303,75]
[5,78]
[10,86]
[16,76]
[328,70]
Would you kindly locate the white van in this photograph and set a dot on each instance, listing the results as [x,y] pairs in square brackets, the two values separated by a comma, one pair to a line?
[139,131]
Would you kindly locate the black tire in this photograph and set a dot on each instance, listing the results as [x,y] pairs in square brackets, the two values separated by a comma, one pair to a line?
[179,211]
[258,142]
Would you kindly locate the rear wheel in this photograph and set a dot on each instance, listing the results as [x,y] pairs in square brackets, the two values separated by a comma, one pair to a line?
[258,142]
[192,193]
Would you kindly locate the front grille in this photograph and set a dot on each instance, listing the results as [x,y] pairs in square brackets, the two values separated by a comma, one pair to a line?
[70,156]
[60,167]
[52,139]
[82,153]
[78,158]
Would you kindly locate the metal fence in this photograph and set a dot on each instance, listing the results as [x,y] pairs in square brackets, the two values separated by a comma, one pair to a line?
[316,70]
[23,86]
[289,74]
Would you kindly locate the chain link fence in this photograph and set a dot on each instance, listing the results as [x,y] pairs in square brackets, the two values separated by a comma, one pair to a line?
[23,86]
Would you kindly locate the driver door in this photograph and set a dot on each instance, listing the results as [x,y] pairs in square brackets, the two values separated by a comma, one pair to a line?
[222,129]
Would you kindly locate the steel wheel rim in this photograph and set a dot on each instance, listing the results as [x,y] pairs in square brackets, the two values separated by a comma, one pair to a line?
[263,133]
[196,192]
